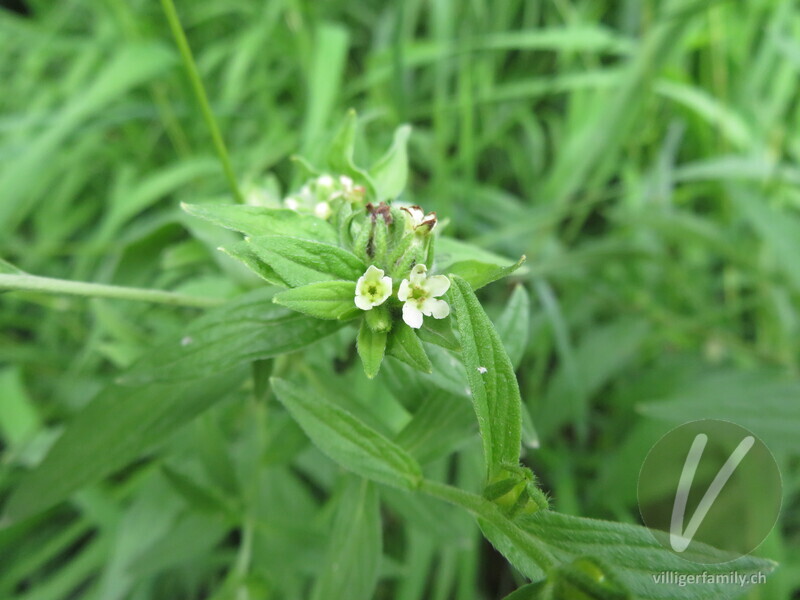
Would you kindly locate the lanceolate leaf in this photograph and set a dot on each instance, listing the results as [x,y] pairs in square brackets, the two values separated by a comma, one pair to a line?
[323,300]
[249,328]
[353,557]
[300,262]
[256,221]
[479,274]
[340,154]
[633,555]
[347,440]
[243,252]
[491,377]
[371,347]
[391,170]
[406,346]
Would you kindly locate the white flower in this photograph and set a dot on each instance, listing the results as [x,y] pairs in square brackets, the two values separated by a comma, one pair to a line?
[322,210]
[325,181]
[372,288]
[419,292]
[417,219]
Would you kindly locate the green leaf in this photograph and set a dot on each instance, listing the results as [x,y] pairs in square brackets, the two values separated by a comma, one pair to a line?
[391,171]
[300,262]
[246,329]
[450,251]
[371,346]
[532,591]
[118,426]
[260,220]
[244,253]
[404,345]
[634,555]
[439,332]
[323,300]
[513,325]
[342,149]
[479,274]
[536,544]
[347,440]
[493,384]
[353,557]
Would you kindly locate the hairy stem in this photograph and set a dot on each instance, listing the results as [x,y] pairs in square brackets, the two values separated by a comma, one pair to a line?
[200,94]
[33,283]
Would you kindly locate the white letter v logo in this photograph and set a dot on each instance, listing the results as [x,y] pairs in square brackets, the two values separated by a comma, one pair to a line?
[678,539]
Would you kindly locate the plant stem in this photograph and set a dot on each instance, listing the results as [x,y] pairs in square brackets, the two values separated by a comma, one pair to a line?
[200,93]
[33,283]
[480,507]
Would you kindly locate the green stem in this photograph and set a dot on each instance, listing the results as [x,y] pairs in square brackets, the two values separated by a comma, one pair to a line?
[33,283]
[200,93]
[480,507]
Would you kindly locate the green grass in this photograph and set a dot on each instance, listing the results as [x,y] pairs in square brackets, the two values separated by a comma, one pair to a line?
[642,154]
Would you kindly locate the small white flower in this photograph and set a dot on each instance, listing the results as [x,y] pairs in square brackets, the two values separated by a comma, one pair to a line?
[419,293]
[291,203]
[372,288]
[325,181]
[416,219]
[322,210]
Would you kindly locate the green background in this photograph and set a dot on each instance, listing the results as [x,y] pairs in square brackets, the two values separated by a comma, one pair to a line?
[642,154]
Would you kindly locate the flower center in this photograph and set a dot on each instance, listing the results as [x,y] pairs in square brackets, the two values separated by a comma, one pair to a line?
[418,293]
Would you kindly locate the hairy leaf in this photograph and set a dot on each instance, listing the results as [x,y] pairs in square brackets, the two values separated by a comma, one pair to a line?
[479,274]
[249,328]
[371,347]
[491,377]
[256,221]
[391,170]
[322,300]
[347,440]
[404,345]
[300,262]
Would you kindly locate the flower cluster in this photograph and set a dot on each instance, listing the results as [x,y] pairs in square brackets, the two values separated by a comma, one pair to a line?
[419,293]
[319,194]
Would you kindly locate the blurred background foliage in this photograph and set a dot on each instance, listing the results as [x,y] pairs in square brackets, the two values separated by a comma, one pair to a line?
[643,154]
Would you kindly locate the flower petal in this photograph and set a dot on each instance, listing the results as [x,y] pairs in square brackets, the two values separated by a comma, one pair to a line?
[360,285]
[405,290]
[437,285]
[363,302]
[412,316]
[418,274]
[373,274]
[415,213]
[386,290]
[440,309]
